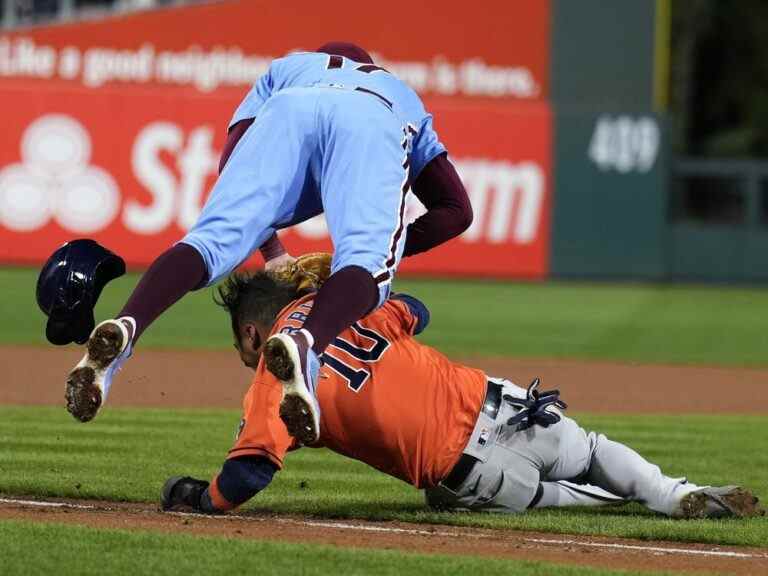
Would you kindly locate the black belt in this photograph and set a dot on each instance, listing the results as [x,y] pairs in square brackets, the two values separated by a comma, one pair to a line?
[464,466]
[372,93]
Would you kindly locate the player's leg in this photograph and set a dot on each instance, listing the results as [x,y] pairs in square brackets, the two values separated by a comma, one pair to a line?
[569,453]
[260,186]
[364,184]
[621,470]
[563,493]
[363,174]
[564,451]
[179,270]
[593,459]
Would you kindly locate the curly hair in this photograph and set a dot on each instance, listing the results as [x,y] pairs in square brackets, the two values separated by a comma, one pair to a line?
[257,297]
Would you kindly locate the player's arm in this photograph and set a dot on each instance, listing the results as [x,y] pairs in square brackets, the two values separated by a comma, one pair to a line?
[437,185]
[262,442]
[449,211]
[239,480]
[234,134]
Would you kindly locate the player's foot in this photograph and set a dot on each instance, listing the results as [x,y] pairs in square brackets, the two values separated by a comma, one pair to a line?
[291,359]
[88,383]
[722,502]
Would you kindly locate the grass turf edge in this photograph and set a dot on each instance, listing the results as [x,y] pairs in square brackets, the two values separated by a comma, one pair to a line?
[70,549]
[50,456]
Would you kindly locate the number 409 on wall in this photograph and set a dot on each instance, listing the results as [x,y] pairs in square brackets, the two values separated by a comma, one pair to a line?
[625,144]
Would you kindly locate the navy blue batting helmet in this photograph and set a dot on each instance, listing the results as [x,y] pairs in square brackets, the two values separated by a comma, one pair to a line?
[69,286]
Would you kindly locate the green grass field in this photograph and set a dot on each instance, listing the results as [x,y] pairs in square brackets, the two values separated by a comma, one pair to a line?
[100,552]
[660,324]
[44,453]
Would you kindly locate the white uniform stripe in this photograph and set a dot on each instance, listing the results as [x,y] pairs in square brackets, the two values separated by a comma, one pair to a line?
[397,234]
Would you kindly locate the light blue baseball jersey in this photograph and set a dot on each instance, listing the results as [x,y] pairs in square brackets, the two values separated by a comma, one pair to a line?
[318,69]
[331,135]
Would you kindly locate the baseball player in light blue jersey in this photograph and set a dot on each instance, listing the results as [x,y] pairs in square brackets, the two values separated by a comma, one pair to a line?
[325,131]
[343,138]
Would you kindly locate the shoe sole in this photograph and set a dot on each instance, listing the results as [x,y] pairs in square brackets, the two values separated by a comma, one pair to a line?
[738,503]
[296,410]
[83,391]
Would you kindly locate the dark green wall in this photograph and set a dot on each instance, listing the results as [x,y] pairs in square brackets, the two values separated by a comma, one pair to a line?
[727,241]
[602,54]
[609,220]
[610,184]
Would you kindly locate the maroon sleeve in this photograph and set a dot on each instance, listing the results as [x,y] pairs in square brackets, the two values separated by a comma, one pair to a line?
[449,212]
[272,248]
[236,132]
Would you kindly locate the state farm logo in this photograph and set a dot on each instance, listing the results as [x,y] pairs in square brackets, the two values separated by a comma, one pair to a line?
[506,198]
[55,181]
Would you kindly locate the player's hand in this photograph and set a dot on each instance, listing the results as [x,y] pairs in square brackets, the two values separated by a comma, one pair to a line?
[182,493]
[279,261]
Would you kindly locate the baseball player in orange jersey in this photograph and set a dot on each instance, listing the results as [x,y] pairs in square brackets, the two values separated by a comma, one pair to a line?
[470,441]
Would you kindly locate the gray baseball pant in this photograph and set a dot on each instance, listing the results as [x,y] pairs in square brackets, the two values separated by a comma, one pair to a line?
[561,465]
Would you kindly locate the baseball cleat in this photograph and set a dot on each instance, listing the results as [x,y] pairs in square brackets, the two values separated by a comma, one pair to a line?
[292,361]
[723,502]
[88,383]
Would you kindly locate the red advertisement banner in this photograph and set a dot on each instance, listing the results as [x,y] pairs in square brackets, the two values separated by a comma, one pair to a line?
[112,128]
[132,171]
[498,49]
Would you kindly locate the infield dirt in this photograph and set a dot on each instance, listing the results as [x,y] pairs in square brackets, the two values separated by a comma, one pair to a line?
[420,538]
[208,379]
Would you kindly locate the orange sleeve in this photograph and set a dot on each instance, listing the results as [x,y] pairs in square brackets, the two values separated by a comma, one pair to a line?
[261,431]
[401,314]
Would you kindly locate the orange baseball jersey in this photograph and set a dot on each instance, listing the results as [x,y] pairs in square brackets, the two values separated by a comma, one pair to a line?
[386,400]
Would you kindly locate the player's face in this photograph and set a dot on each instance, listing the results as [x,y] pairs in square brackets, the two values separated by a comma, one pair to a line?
[249,344]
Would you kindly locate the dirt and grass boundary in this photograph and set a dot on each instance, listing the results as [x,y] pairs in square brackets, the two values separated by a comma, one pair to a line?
[208,379]
[592,551]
